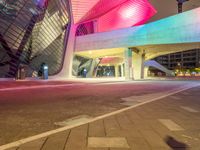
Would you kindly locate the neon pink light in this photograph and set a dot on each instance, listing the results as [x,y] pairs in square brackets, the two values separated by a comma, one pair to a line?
[131,13]
[101,8]
[81,7]
[110,60]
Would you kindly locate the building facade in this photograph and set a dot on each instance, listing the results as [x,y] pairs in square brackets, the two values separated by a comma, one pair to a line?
[183,60]
[32,32]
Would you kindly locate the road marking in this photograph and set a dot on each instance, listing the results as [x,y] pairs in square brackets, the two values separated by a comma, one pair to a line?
[185,93]
[136,99]
[171,125]
[189,109]
[45,134]
[74,120]
[37,87]
[107,142]
[189,137]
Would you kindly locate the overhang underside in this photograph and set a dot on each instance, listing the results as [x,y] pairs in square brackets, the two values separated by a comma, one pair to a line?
[173,34]
[151,51]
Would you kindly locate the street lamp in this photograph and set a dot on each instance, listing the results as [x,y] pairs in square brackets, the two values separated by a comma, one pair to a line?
[180,5]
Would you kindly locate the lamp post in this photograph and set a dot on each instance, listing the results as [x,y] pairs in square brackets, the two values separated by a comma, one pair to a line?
[180,5]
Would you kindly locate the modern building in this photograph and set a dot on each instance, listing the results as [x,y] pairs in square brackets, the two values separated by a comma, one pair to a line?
[32,32]
[92,38]
[185,60]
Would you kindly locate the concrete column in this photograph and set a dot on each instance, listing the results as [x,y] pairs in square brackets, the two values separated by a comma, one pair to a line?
[66,71]
[128,64]
[138,65]
[69,54]
[93,65]
[116,71]
[122,70]
[146,72]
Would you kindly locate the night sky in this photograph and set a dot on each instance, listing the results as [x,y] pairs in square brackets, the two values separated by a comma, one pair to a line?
[167,8]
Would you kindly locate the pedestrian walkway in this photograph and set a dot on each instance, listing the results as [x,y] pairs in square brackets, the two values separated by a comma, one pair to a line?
[172,122]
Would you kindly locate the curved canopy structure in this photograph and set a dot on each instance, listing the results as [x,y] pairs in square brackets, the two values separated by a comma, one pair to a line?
[112,14]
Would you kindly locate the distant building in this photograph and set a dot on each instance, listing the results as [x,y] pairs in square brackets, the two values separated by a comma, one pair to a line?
[186,60]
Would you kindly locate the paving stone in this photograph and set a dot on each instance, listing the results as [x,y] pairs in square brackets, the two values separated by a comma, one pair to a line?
[97,129]
[119,148]
[189,109]
[34,145]
[142,125]
[153,139]
[132,114]
[111,126]
[124,122]
[138,143]
[13,148]
[78,138]
[171,125]
[56,141]
[89,148]
[162,148]
[110,142]
[161,130]
[193,124]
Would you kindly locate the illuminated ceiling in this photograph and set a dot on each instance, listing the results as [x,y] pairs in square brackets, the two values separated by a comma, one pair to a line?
[81,7]
[102,53]
[165,8]
[151,51]
[112,14]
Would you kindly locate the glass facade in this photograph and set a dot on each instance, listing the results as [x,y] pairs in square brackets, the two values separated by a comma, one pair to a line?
[32,32]
[81,66]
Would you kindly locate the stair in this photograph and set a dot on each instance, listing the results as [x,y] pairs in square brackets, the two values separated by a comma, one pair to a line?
[155,64]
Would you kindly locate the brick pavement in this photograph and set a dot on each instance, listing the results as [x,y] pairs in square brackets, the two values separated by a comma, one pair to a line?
[139,126]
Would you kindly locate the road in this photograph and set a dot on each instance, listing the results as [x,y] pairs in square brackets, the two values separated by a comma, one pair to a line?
[32,110]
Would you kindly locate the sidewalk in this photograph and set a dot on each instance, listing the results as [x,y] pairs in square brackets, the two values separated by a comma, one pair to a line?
[172,122]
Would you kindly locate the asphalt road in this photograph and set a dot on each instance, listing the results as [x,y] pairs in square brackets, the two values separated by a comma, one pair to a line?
[30,111]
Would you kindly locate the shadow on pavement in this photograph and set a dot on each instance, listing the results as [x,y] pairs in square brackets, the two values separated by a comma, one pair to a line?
[174,144]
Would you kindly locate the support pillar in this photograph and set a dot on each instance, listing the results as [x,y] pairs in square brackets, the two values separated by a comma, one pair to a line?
[128,64]
[138,65]
[122,70]
[116,71]
[66,71]
[146,72]
[91,73]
